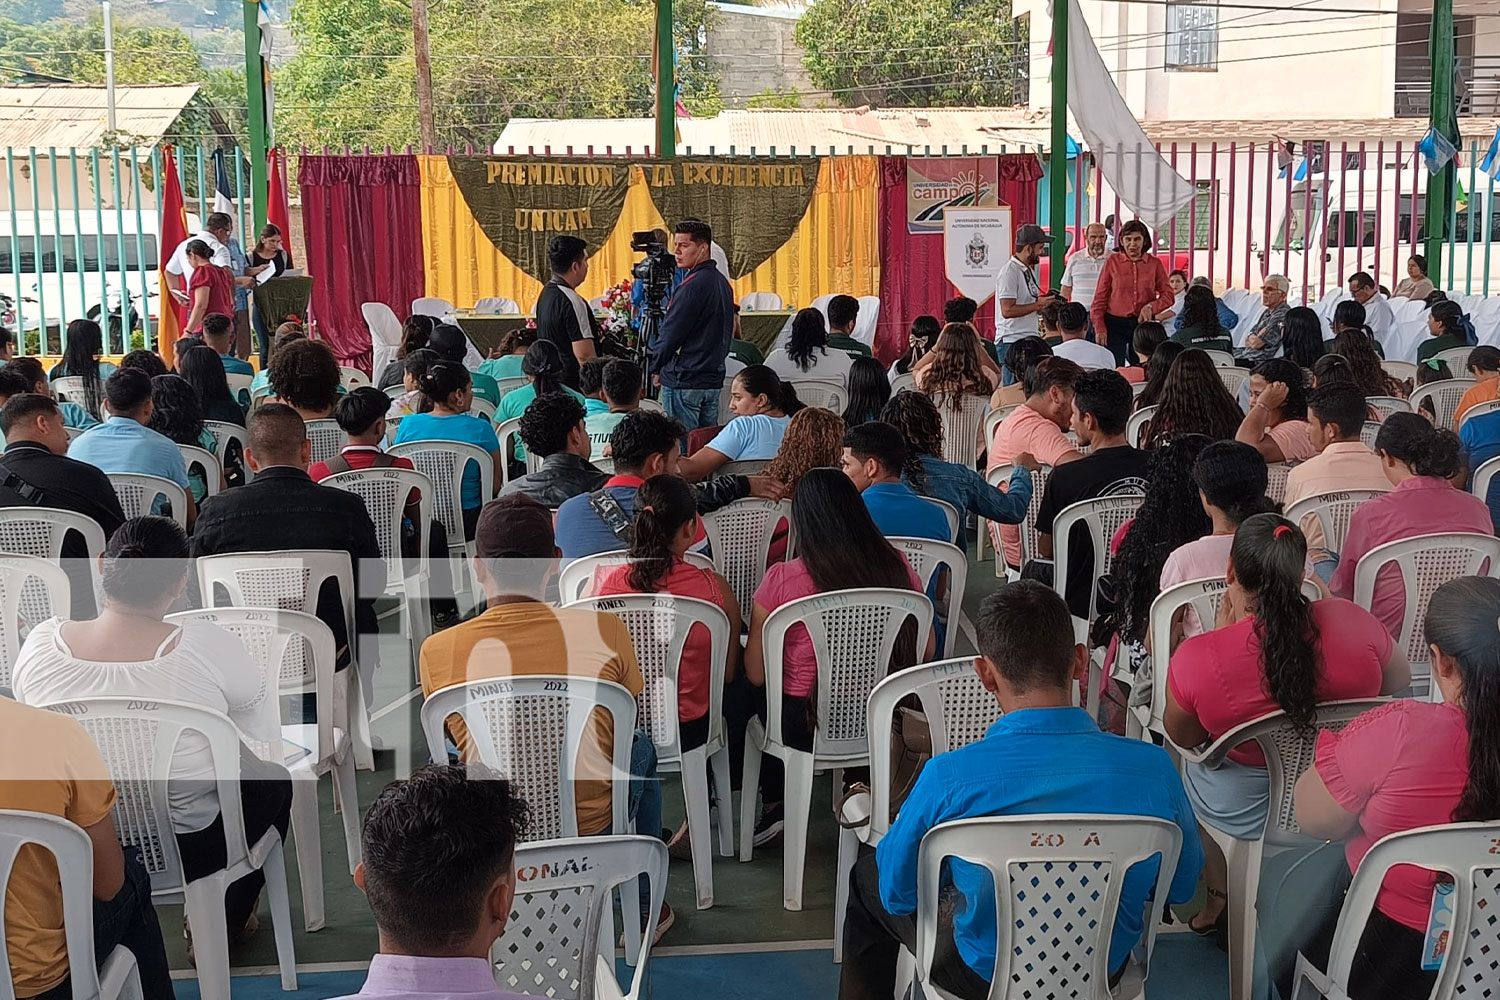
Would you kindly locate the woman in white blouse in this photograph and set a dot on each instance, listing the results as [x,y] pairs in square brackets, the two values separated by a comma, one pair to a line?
[129,651]
[807,354]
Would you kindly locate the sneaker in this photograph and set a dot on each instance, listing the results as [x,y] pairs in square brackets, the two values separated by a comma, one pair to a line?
[680,845]
[769,827]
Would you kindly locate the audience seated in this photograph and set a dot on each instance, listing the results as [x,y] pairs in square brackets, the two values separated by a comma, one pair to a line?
[1356,347]
[762,405]
[1335,417]
[1416,284]
[1349,317]
[218,335]
[622,394]
[1036,428]
[83,345]
[211,387]
[129,651]
[921,427]
[806,354]
[1404,765]
[1020,356]
[1054,760]
[504,361]
[1445,326]
[1101,406]
[448,386]
[876,459]
[839,547]
[1193,400]
[1483,365]
[126,443]
[1272,648]
[1265,335]
[70,781]
[814,440]
[1378,316]
[450,344]
[361,416]
[285,334]
[956,366]
[554,430]
[29,370]
[439,874]
[1157,370]
[1228,318]
[843,310]
[922,334]
[414,334]
[282,508]
[1276,424]
[543,366]
[869,390]
[412,401]
[305,376]
[1199,326]
[177,416]
[1147,338]
[591,384]
[1420,461]
[1302,342]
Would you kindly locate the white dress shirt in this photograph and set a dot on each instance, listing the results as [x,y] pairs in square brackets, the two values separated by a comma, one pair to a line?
[179,264]
[1085,353]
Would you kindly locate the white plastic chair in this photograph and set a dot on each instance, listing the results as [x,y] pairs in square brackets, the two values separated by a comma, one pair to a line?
[260,395]
[739,535]
[385,333]
[137,738]
[138,493]
[509,434]
[724,414]
[1333,512]
[31,591]
[118,978]
[650,405]
[1135,426]
[659,627]
[961,428]
[40,531]
[853,633]
[1386,405]
[1477,410]
[1233,378]
[994,419]
[828,394]
[951,514]
[482,408]
[496,306]
[1063,877]
[1484,476]
[1368,433]
[1221,359]
[1102,516]
[557,942]
[1463,851]
[327,437]
[1425,562]
[578,574]
[443,462]
[908,381]
[506,385]
[927,557]
[1028,533]
[1276,475]
[226,434]
[352,378]
[1400,370]
[1443,396]
[1456,358]
[70,389]
[761,302]
[438,309]
[239,387]
[295,653]
[743,467]
[867,320]
[385,493]
[821,305]
[213,469]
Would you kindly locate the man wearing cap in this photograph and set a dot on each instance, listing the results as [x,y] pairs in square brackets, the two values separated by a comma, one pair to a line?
[452,344]
[1019,293]
[1264,338]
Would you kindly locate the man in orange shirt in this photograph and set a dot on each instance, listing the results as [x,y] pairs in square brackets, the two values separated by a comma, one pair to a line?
[1036,428]
[1484,366]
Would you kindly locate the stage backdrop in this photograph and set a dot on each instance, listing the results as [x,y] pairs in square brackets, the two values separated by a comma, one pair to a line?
[799,227]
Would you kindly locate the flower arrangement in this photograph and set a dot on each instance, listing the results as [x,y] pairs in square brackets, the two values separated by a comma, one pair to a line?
[616,319]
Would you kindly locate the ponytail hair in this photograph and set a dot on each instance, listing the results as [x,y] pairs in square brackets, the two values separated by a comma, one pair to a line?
[544,365]
[760,380]
[442,379]
[1268,557]
[1423,448]
[662,506]
[1463,622]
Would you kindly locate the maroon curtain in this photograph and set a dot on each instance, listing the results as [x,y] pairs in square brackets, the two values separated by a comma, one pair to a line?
[912,279]
[362,222]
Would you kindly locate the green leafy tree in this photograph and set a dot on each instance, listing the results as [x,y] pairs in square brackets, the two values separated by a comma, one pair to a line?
[915,53]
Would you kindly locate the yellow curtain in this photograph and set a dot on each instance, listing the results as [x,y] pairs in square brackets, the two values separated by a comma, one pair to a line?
[835,249]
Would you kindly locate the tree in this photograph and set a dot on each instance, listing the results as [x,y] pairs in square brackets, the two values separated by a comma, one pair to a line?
[915,53]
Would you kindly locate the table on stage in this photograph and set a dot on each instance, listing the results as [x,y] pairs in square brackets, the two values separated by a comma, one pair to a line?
[487,329]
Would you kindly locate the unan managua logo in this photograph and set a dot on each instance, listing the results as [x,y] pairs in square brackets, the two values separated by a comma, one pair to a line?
[978,251]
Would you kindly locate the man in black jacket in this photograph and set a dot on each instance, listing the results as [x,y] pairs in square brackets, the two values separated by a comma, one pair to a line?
[552,428]
[694,337]
[282,508]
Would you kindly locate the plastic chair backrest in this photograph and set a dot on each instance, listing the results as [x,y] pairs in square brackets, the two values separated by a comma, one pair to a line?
[1333,512]
[1102,516]
[1368,433]
[994,419]
[1058,884]
[213,469]
[137,494]
[927,557]
[950,512]
[1443,397]
[73,853]
[31,591]
[1221,359]
[1477,410]
[659,626]
[506,385]
[532,729]
[1233,378]
[1399,370]
[1484,476]
[908,381]
[1276,475]
[386,493]
[959,711]
[443,463]
[724,415]
[578,574]
[327,437]
[287,580]
[40,531]
[70,389]
[1456,358]
[1386,405]
[352,378]
[650,405]
[853,634]
[760,302]
[384,324]
[828,394]
[999,476]
[482,408]
[961,427]
[1135,426]
[1425,562]
[437,308]
[564,894]
[739,535]
[867,320]
[239,388]
[497,306]
[229,436]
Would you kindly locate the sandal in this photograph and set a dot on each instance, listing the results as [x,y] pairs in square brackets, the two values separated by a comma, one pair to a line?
[1219,926]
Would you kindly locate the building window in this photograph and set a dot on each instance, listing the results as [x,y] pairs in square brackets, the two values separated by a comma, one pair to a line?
[1192,37]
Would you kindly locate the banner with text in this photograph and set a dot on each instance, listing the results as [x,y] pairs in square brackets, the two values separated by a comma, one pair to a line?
[976,244]
[936,184]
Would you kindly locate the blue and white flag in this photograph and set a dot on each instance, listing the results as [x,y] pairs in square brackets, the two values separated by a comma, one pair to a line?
[223,193]
[1436,150]
[1490,163]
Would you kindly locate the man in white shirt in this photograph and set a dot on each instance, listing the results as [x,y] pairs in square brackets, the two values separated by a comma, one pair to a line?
[217,235]
[1018,293]
[1073,320]
[1081,276]
[1378,315]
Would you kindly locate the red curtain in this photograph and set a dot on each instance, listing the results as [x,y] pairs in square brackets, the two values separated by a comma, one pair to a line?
[362,221]
[912,280]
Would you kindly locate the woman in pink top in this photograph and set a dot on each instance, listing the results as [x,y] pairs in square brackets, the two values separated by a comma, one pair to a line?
[1272,649]
[1276,425]
[1405,765]
[1132,289]
[1419,460]
[838,548]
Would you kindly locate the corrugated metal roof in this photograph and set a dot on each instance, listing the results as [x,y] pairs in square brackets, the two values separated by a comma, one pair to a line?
[66,115]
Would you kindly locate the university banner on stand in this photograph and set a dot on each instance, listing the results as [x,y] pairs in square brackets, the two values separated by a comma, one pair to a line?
[976,244]
[935,184]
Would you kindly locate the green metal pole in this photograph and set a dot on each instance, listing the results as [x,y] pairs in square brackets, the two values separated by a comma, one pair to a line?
[1057,164]
[1440,186]
[255,94]
[666,90]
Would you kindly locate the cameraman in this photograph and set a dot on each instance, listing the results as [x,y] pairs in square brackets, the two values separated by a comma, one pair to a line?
[693,342]
[562,315]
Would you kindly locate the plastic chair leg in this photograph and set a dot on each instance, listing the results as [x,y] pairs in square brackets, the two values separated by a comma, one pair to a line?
[723,800]
[203,902]
[848,850]
[309,840]
[119,978]
[281,915]
[755,741]
[906,975]
[630,913]
[359,726]
[695,798]
[344,787]
[797,808]
[1240,855]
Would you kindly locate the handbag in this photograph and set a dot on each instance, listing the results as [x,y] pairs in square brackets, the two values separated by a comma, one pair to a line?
[911,749]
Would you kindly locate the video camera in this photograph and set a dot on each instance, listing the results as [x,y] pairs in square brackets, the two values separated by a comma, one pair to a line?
[655,270]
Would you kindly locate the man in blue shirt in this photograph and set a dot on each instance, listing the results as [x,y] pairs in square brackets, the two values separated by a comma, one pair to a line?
[1042,756]
[218,333]
[1481,440]
[875,453]
[123,443]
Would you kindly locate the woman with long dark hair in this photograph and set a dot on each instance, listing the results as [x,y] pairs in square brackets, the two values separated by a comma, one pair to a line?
[544,367]
[415,333]
[869,390]
[762,404]
[1156,373]
[197,367]
[81,352]
[450,389]
[1405,765]
[1193,401]
[1200,321]
[919,340]
[1273,649]
[177,414]
[1445,326]
[1349,315]
[838,548]
[1302,340]
[954,368]
[807,354]
[1021,355]
[1276,423]
[1356,346]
